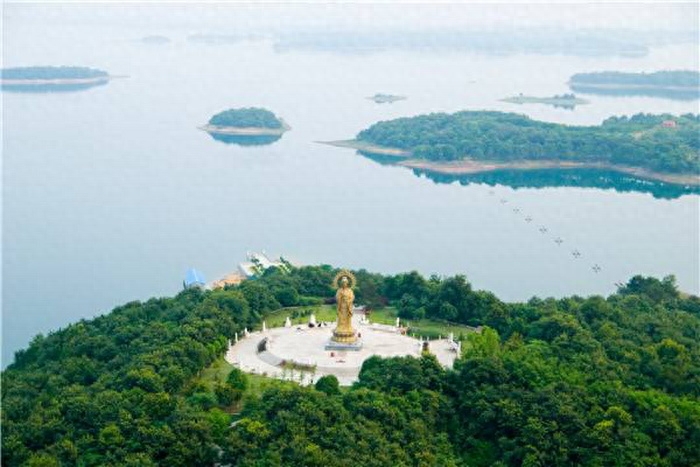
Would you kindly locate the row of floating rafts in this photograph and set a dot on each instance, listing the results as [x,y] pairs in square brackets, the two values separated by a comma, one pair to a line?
[596,268]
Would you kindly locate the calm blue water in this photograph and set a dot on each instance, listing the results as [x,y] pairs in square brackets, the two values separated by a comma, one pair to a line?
[110,194]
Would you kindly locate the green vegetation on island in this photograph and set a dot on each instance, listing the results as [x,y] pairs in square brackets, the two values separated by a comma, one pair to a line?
[51,73]
[678,84]
[567,101]
[571,381]
[679,78]
[651,143]
[45,79]
[250,126]
[250,117]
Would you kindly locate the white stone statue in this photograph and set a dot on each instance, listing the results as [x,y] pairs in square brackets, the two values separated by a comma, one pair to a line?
[235,338]
[312,319]
[245,332]
[451,337]
[264,327]
[287,323]
[398,322]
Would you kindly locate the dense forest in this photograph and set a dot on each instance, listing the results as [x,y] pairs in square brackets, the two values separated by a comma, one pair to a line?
[52,72]
[246,117]
[640,141]
[680,78]
[572,381]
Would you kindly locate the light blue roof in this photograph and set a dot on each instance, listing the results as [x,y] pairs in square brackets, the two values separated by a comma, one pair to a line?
[194,277]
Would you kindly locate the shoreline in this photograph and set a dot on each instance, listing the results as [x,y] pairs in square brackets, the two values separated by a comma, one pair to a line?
[54,81]
[470,166]
[544,100]
[245,131]
[633,87]
[467,166]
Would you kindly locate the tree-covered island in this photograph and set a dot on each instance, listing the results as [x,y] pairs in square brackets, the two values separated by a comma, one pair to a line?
[249,121]
[568,101]
[51,78]
[671,84]
[662,147]
[547,382]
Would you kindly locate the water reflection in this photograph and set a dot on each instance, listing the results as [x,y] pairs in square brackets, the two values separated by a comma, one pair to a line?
[246,140]
[546,178]
[46,88]
[582,178]
[673,94]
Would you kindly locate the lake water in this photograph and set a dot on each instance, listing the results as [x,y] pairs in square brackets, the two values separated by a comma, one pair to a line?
[110,194]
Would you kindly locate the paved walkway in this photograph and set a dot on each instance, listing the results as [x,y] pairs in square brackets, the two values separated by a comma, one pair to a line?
[306,346]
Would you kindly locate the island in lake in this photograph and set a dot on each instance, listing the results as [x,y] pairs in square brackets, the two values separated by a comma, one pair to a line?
[380,98]
[566,101]
[51,78]
[249,126]
[652,147]
[678,84]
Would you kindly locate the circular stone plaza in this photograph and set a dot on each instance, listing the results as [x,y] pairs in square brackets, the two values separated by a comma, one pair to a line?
[299,352]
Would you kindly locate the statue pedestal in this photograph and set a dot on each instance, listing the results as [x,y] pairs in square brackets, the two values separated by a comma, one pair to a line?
[333,345]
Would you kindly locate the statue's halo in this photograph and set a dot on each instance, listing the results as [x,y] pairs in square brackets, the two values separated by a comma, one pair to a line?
[344,273]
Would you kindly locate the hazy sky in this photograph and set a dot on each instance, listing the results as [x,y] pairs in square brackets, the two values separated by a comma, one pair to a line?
[263,17]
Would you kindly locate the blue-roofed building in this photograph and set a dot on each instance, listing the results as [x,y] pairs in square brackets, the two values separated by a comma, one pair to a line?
[194,278]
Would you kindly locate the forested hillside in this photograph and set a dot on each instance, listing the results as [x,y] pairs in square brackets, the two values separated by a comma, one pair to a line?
[640,141]
[573,381]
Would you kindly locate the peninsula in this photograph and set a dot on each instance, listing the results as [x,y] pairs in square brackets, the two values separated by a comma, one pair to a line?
[678,84]
[192,379]
[250,121]
[51,78]
[568,101]
[658,147]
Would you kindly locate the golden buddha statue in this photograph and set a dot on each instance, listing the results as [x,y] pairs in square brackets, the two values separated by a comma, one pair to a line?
[344,333]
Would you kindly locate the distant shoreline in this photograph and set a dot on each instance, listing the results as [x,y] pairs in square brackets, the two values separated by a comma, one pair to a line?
[633,86]
[470,166]
[245,131]
[555,101]
[55,81]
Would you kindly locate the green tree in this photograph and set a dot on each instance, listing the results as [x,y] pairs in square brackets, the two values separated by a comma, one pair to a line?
[237,379]
[328,384]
